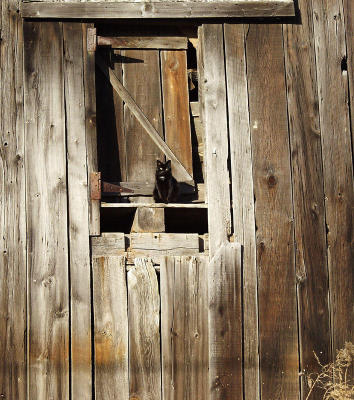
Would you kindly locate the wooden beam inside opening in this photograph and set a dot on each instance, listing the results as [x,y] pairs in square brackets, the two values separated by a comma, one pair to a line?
[144,42]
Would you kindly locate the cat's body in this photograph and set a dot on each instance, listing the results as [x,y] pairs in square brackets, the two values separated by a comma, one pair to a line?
[166,186]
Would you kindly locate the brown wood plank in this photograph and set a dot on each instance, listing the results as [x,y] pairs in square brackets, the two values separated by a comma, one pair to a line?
[330,46]
[80,268]
[184,327]
[348,62]
[46,193]
[164,9]
[144,331]
[176,107]
[225,323]
[216,133]
[111,328]
[274,213]
[109,244]
[243,197]
[13,374]
[144,42]
[91,134]
[308,194]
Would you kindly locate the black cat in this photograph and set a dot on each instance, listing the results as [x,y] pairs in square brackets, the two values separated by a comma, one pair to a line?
[166,186]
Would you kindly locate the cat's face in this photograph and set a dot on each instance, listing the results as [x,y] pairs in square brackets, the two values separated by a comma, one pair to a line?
[163,170]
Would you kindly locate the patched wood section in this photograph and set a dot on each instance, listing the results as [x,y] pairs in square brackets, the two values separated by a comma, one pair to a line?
[144,331]
[111,328]
[273,213]
[148,219]
[13,374]
[80,268]
[184,327]
[243,197]
[46,194]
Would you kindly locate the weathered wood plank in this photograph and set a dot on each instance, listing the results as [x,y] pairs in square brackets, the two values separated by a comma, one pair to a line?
[149,219]
[144,331]
[330,46]
[308,195]
[243,197]
[274,213]
[154,205]
[347,64]
[189,9]
[176,107]
[109,244]
[91,134]
[80,297]
[188,243]
[13,374]
[216,134]
[225,323]
[46,193]
[144,42]
[184,327]
[111,328]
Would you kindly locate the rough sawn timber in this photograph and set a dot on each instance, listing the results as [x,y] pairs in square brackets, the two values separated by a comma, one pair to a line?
[144,42]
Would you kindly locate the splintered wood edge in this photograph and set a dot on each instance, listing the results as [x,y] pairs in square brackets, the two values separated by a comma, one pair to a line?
[187,9]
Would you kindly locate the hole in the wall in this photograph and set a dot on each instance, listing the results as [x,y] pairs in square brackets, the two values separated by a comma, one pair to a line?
[344,64]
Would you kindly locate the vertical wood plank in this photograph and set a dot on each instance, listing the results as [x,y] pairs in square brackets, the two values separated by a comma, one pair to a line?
[349,61]
[307,182]
[225,323]
[243,197]
[91,134]
[176,106]
[330,46]
[46,194]
[215,125]
[13,375]
[144,331]
[141,77]
[184,328]
[274,213]
[111,328]
[80,297]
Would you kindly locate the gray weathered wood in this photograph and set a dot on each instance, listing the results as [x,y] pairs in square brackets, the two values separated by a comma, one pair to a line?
[111,328]
[243,197]
[184,327]
[216,135]
[46,194]
[225,323]
[188,9]
[144,331]
[154,205]
[143,120]
[13,373]
[149,219]
[109,244]
[144,42]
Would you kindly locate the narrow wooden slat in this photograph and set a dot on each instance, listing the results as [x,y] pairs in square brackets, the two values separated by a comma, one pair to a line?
[225,323]
[307,182]
[330,46]
[80,297]
[279,362]
[188,243]
[46,193]
[91,134]
[184,327]
[176,107]
[111,328]
[144,42]
[13,374]
[144,331]
[348,62]
[243,197]
[154,205]
[110,10]
[215,125]
[109,244]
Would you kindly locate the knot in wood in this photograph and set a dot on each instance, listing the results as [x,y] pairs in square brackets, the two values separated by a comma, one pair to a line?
[272,181]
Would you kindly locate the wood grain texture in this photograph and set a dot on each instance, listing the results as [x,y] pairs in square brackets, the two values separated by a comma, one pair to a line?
[189,9]
[330,47]
[348,12]
[144,42]
[176,107]
[144,331]
[216,134]
[47,231]
[13,374]
[149,219]
[274,213]
[243,197]
[91,134]
[78,224]
[184,327]
[108,244]
[111,328]
[225,323]
[308,194]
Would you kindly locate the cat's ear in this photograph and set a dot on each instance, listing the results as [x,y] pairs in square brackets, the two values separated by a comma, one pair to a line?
[158,163]
[168,164]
